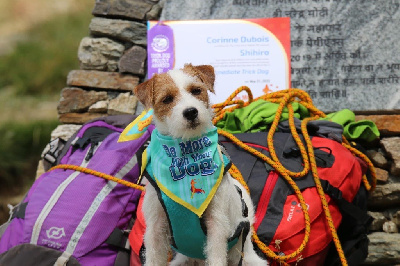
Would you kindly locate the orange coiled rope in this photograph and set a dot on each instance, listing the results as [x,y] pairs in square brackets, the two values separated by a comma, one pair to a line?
[284,99]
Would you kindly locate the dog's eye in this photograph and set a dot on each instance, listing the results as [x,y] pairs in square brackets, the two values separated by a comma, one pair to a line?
[195,91]
[168,99]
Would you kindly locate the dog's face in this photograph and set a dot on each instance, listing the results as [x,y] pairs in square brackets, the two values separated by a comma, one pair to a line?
[180,100]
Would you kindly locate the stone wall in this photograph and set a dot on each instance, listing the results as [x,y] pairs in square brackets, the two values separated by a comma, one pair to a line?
[113,60]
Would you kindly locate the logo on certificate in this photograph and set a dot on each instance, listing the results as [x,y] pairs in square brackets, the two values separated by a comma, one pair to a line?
[160,43]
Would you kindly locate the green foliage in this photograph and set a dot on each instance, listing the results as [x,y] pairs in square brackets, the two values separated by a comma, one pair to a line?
[20,150]
[32,76]
[40,64]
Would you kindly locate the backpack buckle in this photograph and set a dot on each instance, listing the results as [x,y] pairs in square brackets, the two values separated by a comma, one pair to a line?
[54,150]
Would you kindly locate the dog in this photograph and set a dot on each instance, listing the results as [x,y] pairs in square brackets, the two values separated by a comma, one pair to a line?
[224,213]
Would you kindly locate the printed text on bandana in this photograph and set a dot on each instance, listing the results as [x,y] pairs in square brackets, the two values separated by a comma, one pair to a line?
[200,162]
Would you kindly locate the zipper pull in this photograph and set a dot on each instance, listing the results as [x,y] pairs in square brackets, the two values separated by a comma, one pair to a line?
[91,151]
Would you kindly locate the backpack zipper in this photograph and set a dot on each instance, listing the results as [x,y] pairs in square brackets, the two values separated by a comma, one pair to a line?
[265,197]
[91,150]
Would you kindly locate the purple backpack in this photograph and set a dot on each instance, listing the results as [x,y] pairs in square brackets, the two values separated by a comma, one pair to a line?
[72,218]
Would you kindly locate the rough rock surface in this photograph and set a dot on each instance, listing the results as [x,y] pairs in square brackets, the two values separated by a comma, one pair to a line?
[133,61]
[64,131]
[78,118]
[392,147]
[390,227]
[124,30]
[383,249]
[396,218]
[99,107]
[99,54]
[378,220]
[76,100]
[382,175]
[125,103]
[154,13]
[378,159]
[101,80]
[385,196]
[130,9]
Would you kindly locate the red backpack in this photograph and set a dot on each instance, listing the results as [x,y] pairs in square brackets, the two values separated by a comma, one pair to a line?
[279,217]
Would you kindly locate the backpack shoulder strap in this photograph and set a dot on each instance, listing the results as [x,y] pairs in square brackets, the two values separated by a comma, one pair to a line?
[345,206]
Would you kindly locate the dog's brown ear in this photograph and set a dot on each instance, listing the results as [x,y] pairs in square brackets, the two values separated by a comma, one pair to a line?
[144,92]
[204,72]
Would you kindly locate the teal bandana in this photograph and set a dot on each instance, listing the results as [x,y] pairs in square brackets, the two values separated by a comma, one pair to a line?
[187,171]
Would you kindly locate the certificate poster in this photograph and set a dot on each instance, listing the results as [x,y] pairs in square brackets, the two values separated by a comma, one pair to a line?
[250,52]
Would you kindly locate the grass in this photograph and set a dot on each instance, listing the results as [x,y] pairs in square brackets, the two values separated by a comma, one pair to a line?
[31,79]
[20,149]
[27,108]
[39,65]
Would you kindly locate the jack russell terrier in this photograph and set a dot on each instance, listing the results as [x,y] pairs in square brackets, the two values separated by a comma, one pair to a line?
[192,203]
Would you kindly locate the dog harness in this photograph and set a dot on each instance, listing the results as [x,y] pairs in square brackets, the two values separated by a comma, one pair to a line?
[186,174]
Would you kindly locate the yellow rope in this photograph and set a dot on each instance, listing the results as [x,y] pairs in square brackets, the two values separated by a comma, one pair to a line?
[220,108]
[235,173]
[284,99]
[296,137]
[99,174]
[321,192]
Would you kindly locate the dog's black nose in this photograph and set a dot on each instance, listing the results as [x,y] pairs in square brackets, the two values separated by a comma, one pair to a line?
[190,113]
